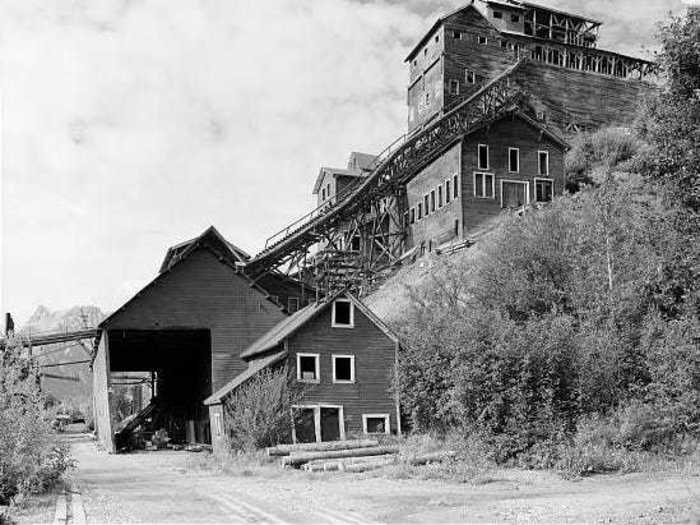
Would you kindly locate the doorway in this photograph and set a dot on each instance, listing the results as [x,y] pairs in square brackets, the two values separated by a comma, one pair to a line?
[316,423]
[514,194]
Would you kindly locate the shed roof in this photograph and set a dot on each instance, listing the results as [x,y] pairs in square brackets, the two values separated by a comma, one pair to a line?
[253,368]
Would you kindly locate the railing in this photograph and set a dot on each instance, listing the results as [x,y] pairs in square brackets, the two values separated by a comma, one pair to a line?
[486,103]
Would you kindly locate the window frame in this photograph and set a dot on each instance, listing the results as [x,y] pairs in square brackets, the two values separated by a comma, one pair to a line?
[515,19]
[317,358]
[484,186]
[448,190]
[454,83]
[478,157]
[426,203]
[440,200]
[289,301]
[455,184]
[482,40]
[548,179]
[432,201]
[539,164]
[352,369]
[517,170]
[456,34]
[420,212]
[412,219]
[469,74]
[499,13]
[526,183]
[387,423]
[334,324]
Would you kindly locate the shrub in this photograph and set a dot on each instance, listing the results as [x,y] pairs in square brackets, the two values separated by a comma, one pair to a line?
[31,458]
[258,414]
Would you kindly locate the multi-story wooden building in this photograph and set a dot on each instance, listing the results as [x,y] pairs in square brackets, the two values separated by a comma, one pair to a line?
[343,358]
[573,85]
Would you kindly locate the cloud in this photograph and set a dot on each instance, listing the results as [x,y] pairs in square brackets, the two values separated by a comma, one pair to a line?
[130,125]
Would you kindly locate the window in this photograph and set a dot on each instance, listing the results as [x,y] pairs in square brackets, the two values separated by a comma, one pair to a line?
[432,201]
[504,44]
[513,160]
[328,191]
[375,423]
[343,314]
[275,298]
[543,162]
[307,368]
[420,211]
[497,14]
[448,196]
[439,196]
[541,115]
[437,38]
[426,204]
[544,189]
[413,215]
[455,185]
[343,368]
[456,227]
[427,98]
[457,35]
[483,152]
[482,40]
[323,194]
[292,304]
[469,76]
[514,193]
[515,18]
[425,51]
[484,185]
[454,87]
[415,62]
[355,243]
[218,427]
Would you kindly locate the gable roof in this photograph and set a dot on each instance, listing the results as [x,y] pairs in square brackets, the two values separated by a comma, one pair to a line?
[361,161]
[323,171]
[281,331]
[253,368]
[225,252]
[287,327]
[181,250]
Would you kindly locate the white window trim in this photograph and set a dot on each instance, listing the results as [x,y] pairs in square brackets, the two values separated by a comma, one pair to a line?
[478,157]
[352,368]
[317,420]
[484,37]
[539,152]
[387,422]
[524,182]
[483,186]
[352,314]
[548,179]
[318,368]
[517,170]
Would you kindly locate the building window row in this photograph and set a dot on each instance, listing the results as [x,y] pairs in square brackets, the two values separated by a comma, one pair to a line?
[483,161]
[309,369]
[460,35]
[435,199]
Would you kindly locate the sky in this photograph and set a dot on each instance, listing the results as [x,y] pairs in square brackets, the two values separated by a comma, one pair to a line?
[131,125]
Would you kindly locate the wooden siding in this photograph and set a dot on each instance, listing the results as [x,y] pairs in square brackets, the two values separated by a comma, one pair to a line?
[499,137]
[101,395]
[437,226]
[375,356]
[202,293]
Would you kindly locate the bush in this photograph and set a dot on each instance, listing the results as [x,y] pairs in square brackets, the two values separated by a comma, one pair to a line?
[31,458]
[258,414]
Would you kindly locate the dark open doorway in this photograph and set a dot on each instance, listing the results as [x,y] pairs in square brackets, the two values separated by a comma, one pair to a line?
[330,423]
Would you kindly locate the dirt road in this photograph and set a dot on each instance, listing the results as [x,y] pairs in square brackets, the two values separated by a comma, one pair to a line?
[166,486]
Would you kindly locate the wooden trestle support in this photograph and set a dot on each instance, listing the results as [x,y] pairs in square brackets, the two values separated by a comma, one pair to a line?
[351,241]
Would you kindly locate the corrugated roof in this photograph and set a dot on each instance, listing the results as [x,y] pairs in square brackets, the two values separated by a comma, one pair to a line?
[286,327]
[253,368]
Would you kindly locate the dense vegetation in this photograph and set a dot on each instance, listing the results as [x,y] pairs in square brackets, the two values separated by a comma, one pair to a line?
[31,458]
[573,341]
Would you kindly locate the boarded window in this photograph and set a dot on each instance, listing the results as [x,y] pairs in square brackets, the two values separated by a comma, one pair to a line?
[483,156]
[307,367]
[292,304]
[343,368]
[543,190]
[342,313]
[513,194]
[513,160]
[543,157]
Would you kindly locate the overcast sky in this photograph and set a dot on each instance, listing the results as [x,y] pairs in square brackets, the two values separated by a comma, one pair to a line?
[131,125]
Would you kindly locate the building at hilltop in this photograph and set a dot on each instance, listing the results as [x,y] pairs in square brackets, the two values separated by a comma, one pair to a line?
[573,85]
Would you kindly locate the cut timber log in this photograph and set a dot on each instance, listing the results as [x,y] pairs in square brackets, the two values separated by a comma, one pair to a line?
[297,460]
[350,464]
[435,457]
[286,450]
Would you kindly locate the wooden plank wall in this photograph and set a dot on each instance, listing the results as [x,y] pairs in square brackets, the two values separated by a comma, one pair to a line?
[203,293]
[374,367]
[101,396]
